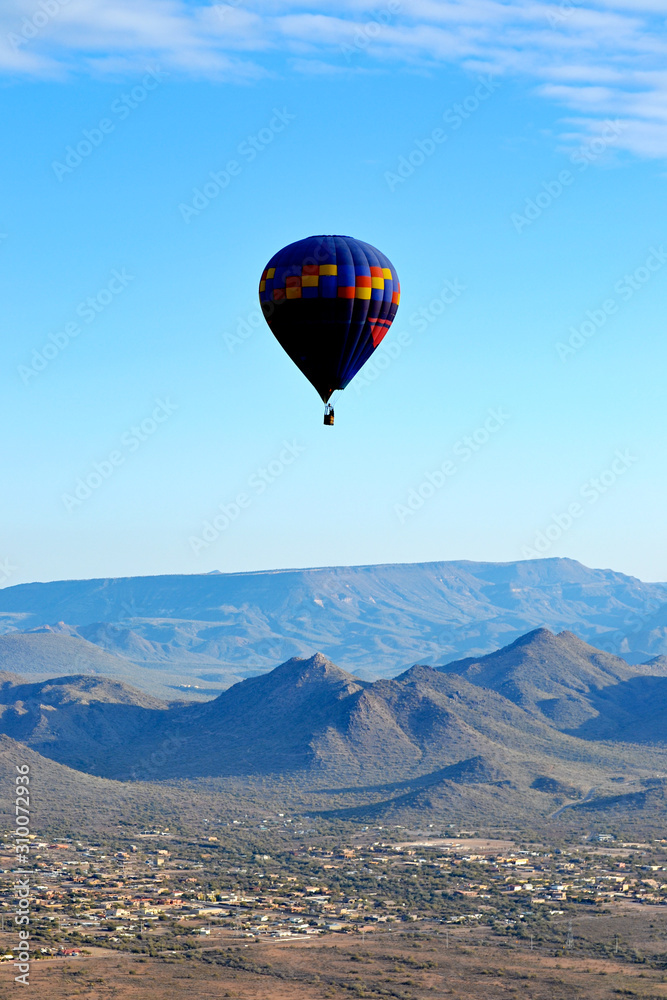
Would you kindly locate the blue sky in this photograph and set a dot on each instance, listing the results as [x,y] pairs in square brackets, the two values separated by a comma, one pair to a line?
[509,158]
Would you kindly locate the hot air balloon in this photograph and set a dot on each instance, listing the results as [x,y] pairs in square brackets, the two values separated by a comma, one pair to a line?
[329,301]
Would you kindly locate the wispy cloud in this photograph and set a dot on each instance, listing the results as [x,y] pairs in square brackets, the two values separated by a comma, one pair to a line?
[595,58]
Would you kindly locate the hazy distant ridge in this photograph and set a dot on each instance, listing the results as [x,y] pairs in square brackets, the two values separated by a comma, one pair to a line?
[373,620]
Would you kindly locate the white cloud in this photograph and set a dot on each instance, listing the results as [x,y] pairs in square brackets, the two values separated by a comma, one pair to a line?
[594,57]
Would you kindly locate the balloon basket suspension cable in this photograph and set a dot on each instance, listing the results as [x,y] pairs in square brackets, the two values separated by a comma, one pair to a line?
[328,415]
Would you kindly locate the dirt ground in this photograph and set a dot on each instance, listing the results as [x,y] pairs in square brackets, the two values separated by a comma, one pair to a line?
[385,965]
[473,845]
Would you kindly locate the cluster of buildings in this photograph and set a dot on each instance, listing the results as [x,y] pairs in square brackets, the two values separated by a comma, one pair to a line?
[83,892]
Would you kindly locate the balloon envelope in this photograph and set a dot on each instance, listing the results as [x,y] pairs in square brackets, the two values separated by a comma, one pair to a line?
[329,301]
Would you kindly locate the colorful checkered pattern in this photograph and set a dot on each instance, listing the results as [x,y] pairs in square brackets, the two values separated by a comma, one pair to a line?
[312,281]
[354,294]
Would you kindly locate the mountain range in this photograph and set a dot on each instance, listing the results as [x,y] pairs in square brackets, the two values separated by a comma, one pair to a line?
[182,636]
[518,732]
[591,693]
